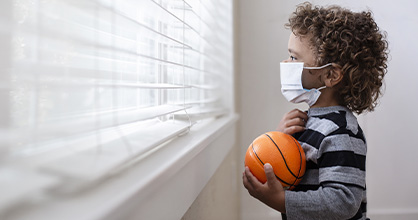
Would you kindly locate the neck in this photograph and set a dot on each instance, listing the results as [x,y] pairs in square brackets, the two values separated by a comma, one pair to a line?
[327,98]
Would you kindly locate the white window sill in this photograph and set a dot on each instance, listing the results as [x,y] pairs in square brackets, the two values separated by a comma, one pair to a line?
[162,185]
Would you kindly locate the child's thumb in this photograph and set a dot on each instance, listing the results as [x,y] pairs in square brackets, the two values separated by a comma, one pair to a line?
[268,169]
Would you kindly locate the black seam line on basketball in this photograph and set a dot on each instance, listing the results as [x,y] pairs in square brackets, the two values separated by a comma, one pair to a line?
[282,156]
[300,167]
[252,146]
[300,154]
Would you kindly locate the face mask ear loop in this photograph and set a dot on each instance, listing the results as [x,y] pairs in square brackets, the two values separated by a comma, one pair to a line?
[320,88]
[317,68]
[323,87]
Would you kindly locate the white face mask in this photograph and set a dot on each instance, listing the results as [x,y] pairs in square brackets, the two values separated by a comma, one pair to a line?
[291,79]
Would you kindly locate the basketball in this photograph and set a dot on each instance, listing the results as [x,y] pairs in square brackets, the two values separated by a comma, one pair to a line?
[282,152]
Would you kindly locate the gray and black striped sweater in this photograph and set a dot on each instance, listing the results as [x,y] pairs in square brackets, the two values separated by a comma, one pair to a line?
[334,184]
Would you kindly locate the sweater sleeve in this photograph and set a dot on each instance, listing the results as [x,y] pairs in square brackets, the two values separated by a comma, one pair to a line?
[332,201]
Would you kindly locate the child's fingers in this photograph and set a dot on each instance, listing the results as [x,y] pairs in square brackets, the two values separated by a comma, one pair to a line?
[296,113]
[246,180]
[296,122]
[293,122]
[294,129]
[251,179]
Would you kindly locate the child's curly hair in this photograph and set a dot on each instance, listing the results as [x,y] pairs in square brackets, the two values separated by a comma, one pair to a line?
[351,40]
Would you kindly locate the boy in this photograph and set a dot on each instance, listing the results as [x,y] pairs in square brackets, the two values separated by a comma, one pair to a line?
[337,61]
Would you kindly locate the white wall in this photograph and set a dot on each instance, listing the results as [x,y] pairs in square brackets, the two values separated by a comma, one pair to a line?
[262,45]
[219,199]
[390,130]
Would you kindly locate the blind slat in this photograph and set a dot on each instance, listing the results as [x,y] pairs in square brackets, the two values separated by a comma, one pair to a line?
[50,69]
[82,124]
[76,83]
[111,157]
[201,113]
[132,56]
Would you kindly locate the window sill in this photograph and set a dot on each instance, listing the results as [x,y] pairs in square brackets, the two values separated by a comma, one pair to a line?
[162,185]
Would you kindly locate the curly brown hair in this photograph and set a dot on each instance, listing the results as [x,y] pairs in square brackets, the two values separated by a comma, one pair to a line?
[351,40]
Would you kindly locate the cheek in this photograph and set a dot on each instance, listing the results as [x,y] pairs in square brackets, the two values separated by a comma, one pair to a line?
[307,79]
[311,79]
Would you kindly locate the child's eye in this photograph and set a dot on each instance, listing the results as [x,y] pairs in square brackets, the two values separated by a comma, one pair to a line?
[292,58]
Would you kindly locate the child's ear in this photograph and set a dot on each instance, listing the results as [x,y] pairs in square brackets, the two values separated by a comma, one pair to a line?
[334,76]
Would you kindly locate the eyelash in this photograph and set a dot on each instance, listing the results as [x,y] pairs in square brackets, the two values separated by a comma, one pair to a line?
[292,58]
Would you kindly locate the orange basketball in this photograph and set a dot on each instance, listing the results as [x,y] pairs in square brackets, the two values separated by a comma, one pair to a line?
[283,152]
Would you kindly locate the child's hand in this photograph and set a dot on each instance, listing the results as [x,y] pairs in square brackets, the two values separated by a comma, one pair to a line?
[293,122]
[270,193]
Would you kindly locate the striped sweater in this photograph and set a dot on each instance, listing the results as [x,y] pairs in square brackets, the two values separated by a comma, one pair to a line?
[334,185]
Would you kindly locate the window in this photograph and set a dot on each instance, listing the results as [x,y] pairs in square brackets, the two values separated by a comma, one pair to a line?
[87,86]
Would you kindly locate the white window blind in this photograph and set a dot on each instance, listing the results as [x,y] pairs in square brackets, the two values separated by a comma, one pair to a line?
[87,86]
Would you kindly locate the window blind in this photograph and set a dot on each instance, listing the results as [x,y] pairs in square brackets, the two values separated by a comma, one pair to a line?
[88,86]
